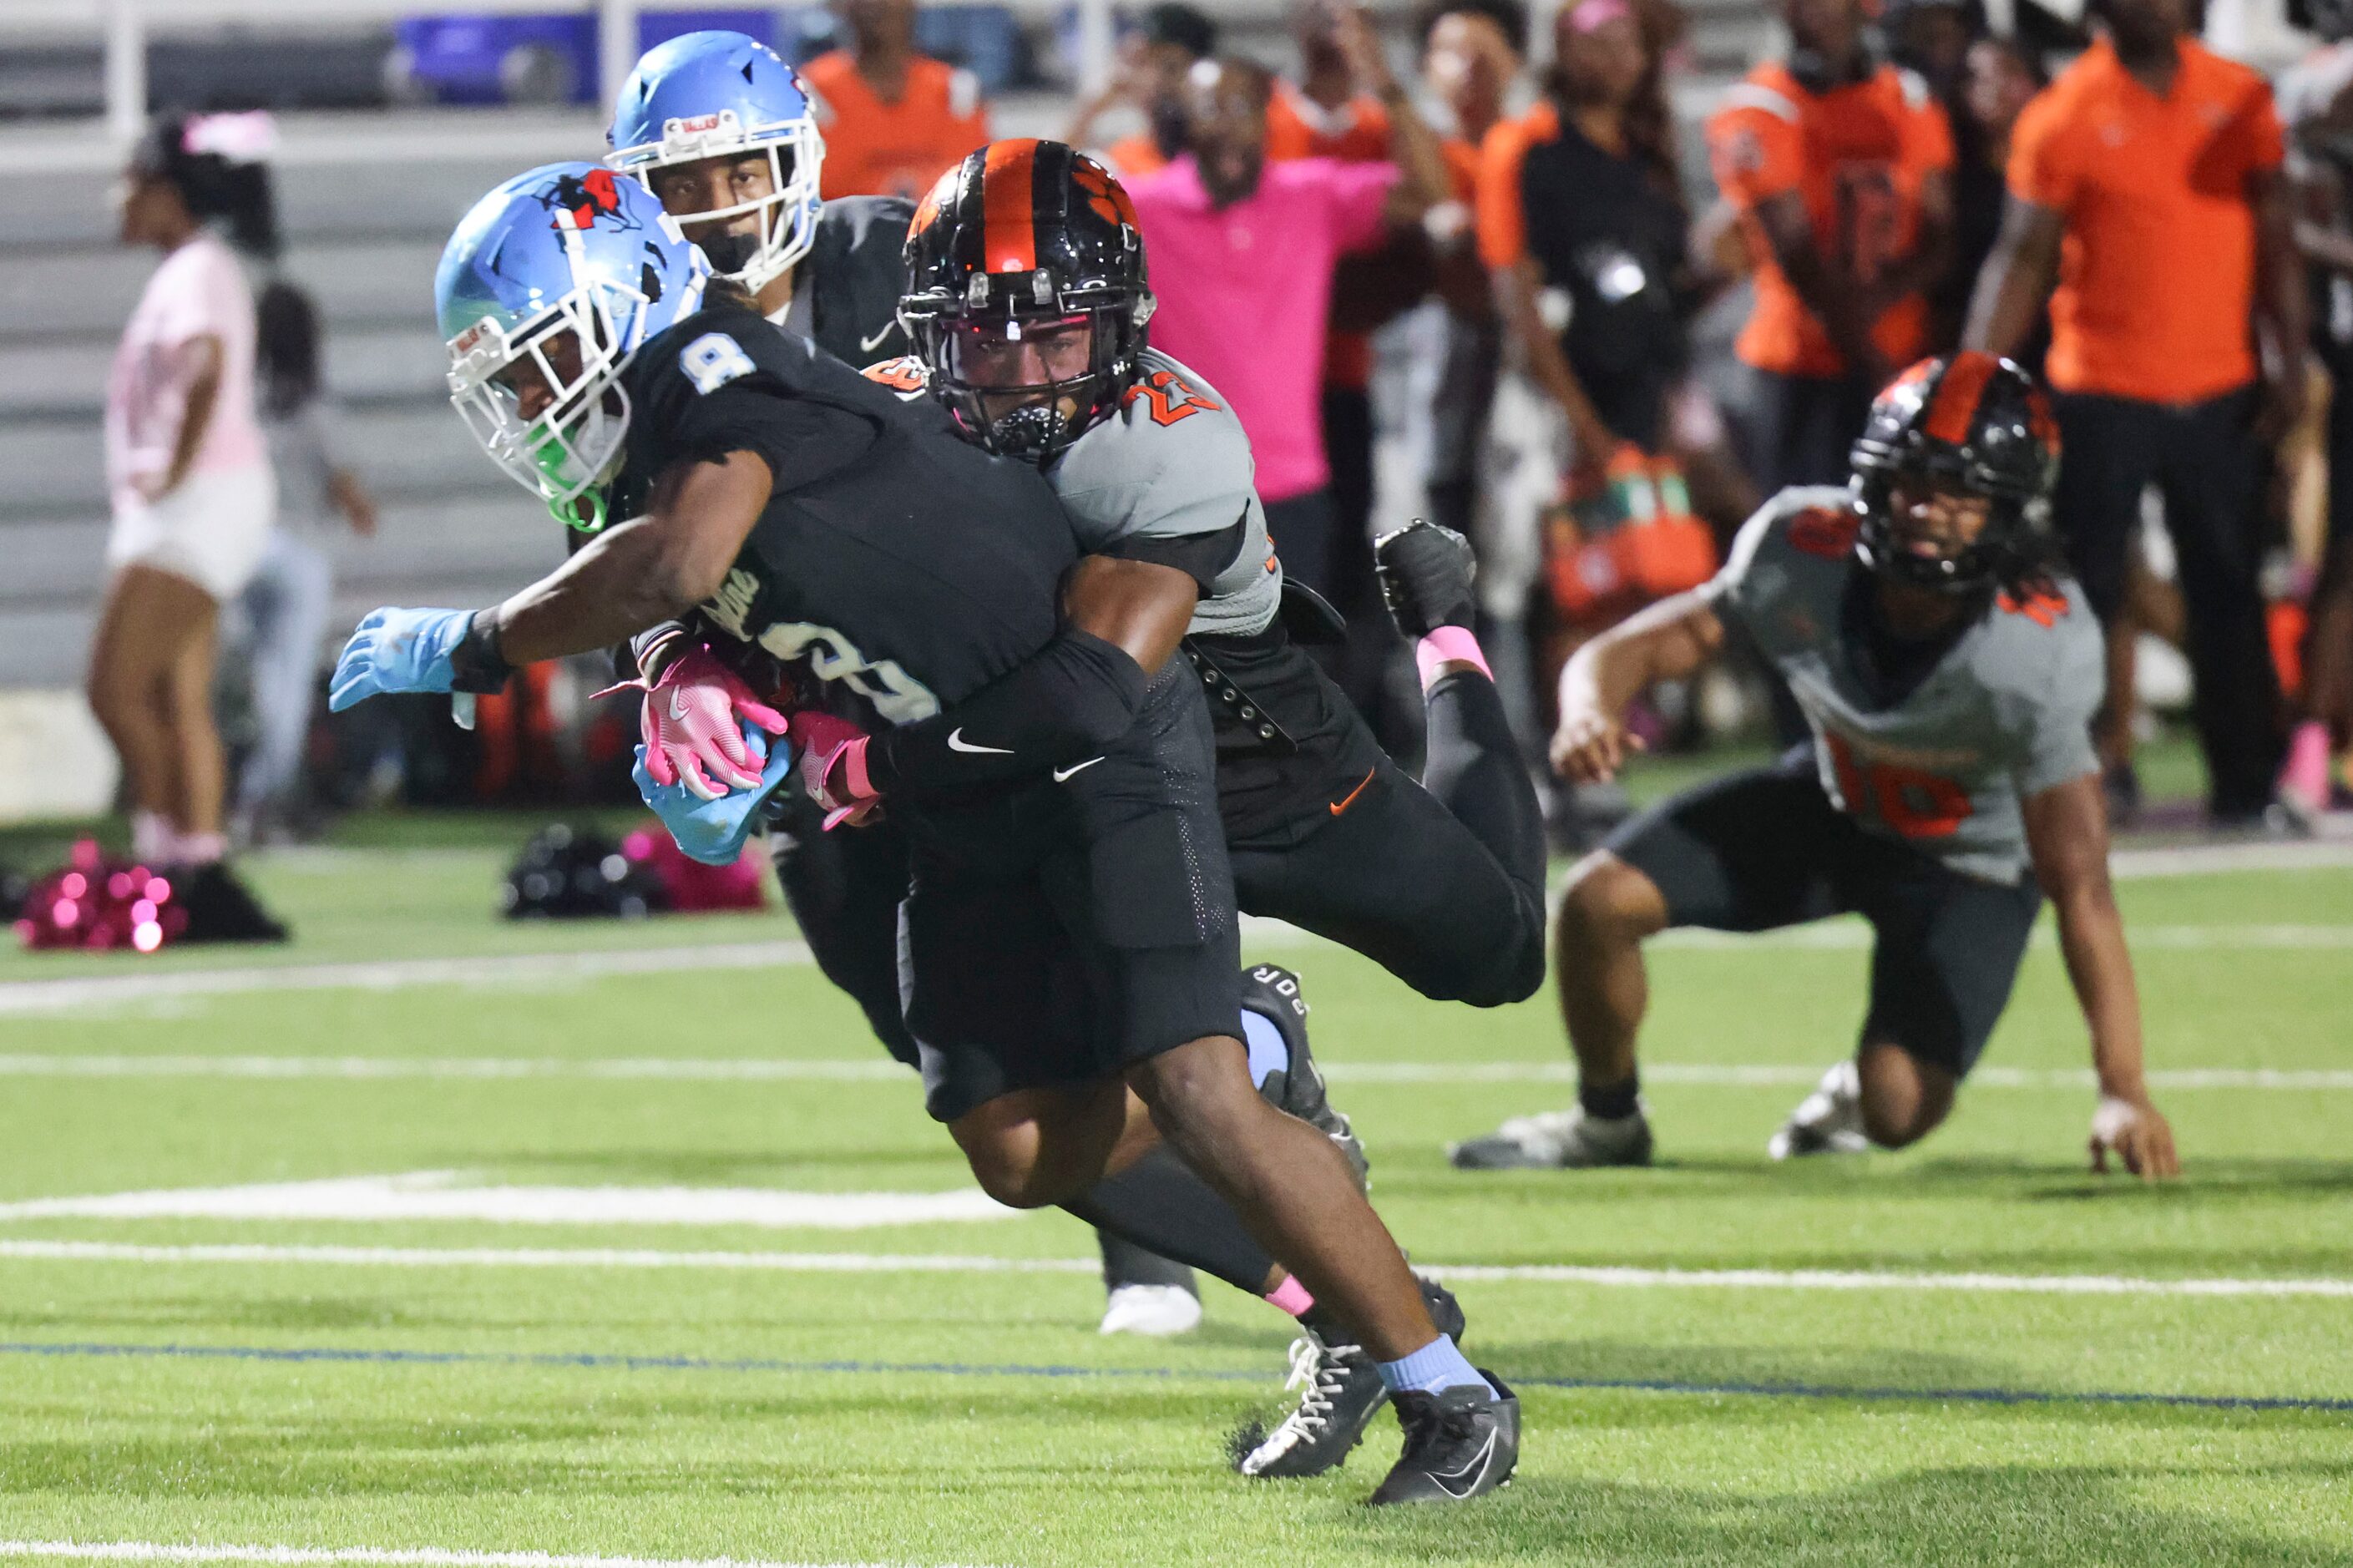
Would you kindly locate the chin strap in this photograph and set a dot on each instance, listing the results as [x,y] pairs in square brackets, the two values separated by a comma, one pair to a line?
[584,513]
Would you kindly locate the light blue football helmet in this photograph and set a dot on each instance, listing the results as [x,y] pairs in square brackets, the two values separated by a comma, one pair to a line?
[548,287]
[723,95]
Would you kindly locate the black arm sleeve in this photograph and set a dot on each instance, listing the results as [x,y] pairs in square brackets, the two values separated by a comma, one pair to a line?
[1203,557]
[1070,699]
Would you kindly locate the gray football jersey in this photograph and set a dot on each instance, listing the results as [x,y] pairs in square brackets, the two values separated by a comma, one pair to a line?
[2005,714]
[1172,462]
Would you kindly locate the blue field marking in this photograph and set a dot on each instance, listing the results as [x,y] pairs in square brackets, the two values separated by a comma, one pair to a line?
[609,1362]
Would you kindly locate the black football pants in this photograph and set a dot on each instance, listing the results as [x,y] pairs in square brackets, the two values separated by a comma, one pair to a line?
[2205,461]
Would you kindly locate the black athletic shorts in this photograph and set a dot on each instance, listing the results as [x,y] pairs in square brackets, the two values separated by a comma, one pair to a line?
[1090,930]
[1767,848]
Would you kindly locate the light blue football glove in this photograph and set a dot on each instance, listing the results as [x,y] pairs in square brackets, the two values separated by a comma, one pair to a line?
[398,650]
[714,831]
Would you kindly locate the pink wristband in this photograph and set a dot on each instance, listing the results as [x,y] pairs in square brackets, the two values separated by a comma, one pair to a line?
[1291,1296]
[853,768]
[1448,645]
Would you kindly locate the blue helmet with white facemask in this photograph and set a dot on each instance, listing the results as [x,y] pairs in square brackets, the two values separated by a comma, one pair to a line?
[723,94]
[548,287]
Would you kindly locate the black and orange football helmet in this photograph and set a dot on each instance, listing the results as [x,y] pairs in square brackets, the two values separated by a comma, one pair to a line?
[1025,237]
[1974,424]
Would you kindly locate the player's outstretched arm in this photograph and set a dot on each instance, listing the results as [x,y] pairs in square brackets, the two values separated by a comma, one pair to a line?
[643,572]
[2067,837]
[1667,641]
[2016,278]
[1123,620]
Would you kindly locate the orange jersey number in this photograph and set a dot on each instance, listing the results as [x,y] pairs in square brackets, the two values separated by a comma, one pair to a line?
[1917,803]
[1168,398]
[905,374]
[1870,218]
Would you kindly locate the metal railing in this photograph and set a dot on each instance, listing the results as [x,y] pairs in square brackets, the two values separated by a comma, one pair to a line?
[126,25]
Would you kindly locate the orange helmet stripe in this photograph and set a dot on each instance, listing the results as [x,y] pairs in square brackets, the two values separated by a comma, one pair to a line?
[1008,214]
[1954,404]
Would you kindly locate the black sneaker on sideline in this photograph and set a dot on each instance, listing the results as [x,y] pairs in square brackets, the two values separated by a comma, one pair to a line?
[220,909]
[1272,993]
[1340,1393]
[1459,1444]
[1425,570]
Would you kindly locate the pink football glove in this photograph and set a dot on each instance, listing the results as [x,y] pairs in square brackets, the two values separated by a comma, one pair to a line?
[833,767]
[690,723]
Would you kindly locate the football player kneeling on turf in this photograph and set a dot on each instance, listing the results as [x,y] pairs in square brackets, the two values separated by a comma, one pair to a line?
[1950,675]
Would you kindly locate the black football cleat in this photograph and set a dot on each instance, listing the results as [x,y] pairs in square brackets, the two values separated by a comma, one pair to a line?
[1426,571]
[1340,1392]
[1272,993]
[221,909]
[1459,1444]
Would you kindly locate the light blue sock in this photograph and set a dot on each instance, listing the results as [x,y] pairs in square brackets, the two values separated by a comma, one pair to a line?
[1267,1052]
[1434,1368]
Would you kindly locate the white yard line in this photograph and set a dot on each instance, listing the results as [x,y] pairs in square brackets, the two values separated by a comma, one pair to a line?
[1844,1280]
[452,1195]
[2326,854]
[862,1263]
[542,1257]
[372,1556]
[397,974]
[878,1068]
[35,997]
[862,1069]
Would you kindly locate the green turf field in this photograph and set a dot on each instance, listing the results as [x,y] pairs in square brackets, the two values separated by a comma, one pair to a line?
[690,1386]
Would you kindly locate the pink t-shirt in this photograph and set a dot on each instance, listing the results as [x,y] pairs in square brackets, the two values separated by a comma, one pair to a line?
[199,289]
[1245,292]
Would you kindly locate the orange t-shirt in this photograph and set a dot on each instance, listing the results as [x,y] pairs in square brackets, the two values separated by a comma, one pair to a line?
[1298,127]
[1495,169]
[2157,274]
[1860,154]
[877,149]
[1356,132]
[1133,157]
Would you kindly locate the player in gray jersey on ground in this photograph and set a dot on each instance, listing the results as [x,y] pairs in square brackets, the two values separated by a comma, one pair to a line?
[1949,679]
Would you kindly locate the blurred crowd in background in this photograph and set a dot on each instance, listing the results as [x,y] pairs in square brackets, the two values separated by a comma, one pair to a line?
[1462,271]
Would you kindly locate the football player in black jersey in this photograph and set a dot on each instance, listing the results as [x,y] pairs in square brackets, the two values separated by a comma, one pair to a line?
[718,128]
[1028,305]
[1069,932]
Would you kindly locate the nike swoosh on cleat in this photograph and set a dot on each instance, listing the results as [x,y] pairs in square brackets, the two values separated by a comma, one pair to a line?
[1340,806]
[1063,775]
[956,742]
[1473,1470]
[868,345]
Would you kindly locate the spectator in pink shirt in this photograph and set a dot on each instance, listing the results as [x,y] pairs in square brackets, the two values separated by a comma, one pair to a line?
[1242,253]
[193,497]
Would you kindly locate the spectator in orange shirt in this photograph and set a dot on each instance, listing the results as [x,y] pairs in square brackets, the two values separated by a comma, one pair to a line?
[2145,183]
[1842,169]
[1155,61]
[893,119]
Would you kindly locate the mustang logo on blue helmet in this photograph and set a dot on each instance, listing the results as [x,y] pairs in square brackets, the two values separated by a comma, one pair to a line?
[545,292]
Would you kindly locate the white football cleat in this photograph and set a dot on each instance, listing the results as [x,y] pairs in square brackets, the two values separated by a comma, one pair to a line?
[1157,1310]
[1827,1122]
[1558,1140]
